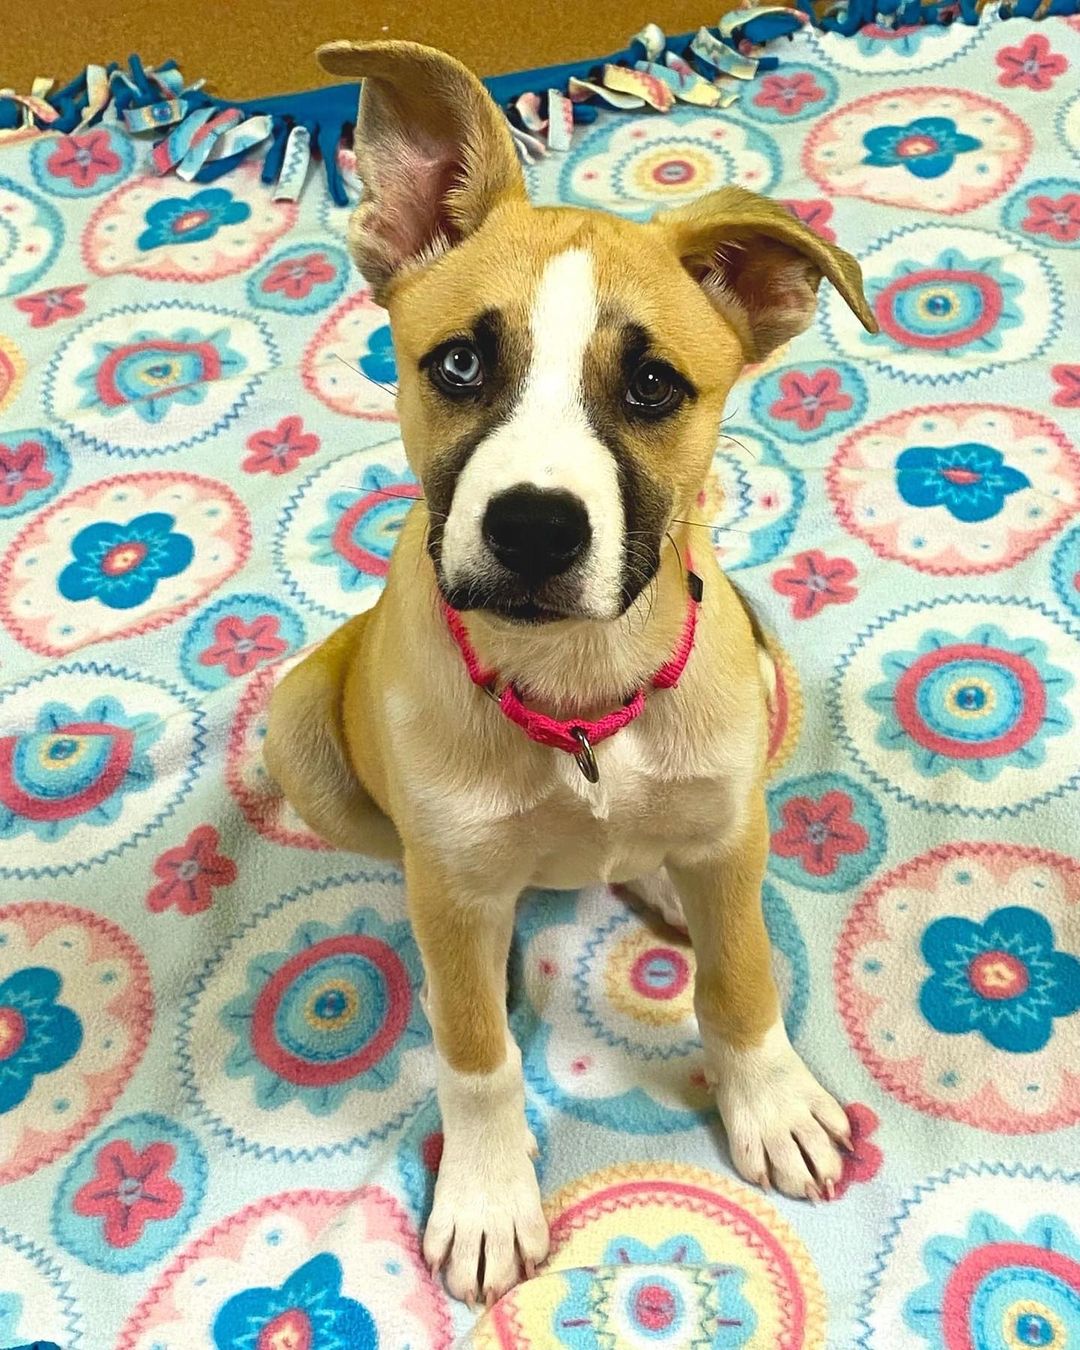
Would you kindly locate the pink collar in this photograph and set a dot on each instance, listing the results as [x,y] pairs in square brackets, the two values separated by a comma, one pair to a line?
[574,737]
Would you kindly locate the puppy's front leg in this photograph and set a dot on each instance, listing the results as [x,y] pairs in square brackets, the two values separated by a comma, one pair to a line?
[487,1202]
[780,1122]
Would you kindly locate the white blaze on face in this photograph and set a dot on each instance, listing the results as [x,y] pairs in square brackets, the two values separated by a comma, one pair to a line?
[547,443]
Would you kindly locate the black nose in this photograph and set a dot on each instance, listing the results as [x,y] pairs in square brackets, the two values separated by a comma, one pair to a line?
[536,533]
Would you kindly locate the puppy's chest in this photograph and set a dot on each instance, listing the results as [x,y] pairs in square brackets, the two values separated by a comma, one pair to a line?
[648,806]
[645,797]
[671,786]
[640,779]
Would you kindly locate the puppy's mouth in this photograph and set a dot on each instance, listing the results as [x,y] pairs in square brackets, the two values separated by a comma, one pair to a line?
[509,606]
[512,602]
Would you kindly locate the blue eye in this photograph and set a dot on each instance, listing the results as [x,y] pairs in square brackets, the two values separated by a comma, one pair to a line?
[458,369]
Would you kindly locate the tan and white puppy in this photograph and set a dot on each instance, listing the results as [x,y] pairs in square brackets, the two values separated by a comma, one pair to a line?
[562,378]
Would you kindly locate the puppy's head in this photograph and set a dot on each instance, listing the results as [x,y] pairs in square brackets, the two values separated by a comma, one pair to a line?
[562,372]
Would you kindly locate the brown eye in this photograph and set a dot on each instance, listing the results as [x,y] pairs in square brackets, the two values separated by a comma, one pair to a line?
[457,369]
[654,390]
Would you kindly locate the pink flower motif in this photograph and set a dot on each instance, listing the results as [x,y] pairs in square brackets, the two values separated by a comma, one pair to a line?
[819,832]
[279,449]
[130,1189]
[83,159]
[815,215]
[46,307]
[189,873]
[1059,219]
[814,581]
[240,646]
[788,94]
[863,1163]
[295,277]
[1032,64]
[22,470]
[807,400]
[1068,377]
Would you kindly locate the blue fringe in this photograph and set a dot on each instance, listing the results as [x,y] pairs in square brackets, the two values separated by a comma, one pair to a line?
[329,113]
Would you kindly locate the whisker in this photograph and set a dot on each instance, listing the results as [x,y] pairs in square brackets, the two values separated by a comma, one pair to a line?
[735,441]
[670,538]
[650,593]
[714,529]
[404,497]
[423,552]
[387,388]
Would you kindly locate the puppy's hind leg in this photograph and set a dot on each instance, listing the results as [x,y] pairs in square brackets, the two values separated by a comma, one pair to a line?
[305,752]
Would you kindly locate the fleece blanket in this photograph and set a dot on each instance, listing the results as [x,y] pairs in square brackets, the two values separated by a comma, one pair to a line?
[217,1125]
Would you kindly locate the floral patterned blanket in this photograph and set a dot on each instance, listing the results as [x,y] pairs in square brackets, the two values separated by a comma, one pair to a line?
[217,1126]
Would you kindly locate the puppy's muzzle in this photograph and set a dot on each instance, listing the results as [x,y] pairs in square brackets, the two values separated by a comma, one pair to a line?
[536,534]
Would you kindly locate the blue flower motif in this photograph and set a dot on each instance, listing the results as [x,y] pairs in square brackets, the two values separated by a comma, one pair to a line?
[1002,1287]
[1001,978]
[309,1309]
[978,702]
[970,480]
[378,361]
[926,147]
[150,372]
[362,525]
[37,1034]
[74,768]
[330,1015]
[120,565]
[190,220]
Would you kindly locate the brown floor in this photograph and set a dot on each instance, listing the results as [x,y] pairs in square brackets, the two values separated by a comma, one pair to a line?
[249,47]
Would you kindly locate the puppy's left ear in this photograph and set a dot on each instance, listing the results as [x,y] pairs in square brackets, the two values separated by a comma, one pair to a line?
[760,267]
[433,153]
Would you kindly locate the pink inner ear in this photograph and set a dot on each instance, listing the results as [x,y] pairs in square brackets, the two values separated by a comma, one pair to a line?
[769,279]
[414,178]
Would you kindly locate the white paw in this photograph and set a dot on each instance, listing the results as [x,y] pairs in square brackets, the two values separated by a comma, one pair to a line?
[487,1223]
[783,1128]
[658,892]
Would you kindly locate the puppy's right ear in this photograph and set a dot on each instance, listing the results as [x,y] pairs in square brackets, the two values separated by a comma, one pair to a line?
[433,153]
